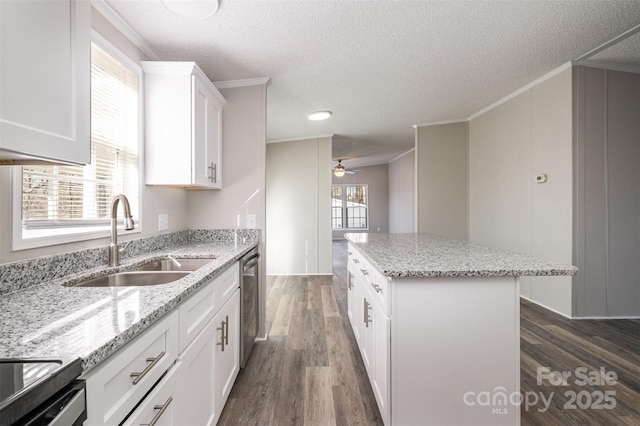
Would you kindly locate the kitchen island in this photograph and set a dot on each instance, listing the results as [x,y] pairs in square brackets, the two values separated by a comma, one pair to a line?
[437,322]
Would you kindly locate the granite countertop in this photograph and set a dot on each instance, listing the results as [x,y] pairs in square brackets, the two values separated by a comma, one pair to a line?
[427,255]
[52,320]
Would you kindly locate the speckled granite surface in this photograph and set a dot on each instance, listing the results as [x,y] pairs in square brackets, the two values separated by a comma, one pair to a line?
[426,255]
[49,319]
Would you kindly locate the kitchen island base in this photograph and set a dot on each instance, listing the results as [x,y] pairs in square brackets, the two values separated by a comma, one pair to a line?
[455,351]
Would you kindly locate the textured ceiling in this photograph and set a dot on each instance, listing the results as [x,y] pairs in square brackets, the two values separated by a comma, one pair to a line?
[380,66]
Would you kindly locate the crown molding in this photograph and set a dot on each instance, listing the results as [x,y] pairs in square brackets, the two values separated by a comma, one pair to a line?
[400,156]
[438,123]
[523,89]
[635,69]
[301,139]
[615,40]
[243,83]
[123,26]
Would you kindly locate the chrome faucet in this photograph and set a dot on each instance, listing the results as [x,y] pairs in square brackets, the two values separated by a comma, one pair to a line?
[114,250]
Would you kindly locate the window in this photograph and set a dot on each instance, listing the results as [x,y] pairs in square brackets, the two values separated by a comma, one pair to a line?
[349,209]
[55,204]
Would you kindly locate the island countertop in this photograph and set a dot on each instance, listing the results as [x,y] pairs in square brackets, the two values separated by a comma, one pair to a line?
[428,255]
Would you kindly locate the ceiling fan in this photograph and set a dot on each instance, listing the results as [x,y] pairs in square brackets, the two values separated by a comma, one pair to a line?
[340,170]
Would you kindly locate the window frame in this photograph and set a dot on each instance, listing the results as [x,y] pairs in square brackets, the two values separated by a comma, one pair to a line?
[344,207]
[85,232]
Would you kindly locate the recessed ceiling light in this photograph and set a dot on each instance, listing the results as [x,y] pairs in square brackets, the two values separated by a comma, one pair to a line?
[319,115]
[193,9]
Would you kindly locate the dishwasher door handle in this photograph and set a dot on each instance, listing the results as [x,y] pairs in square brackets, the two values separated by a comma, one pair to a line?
[251,261]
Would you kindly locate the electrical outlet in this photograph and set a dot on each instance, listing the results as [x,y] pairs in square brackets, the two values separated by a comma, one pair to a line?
[163,222]
[251,221]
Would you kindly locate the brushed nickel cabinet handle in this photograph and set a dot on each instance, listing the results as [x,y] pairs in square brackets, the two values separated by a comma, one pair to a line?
[356,261]
[159,414]
[221,342]
[226,331]
[367,318]
[213,172]
[350,254]
[365,272]
[350,281]
[377,288]
[152,362]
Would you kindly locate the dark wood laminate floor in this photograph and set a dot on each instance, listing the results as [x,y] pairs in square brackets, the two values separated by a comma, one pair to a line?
[309,371]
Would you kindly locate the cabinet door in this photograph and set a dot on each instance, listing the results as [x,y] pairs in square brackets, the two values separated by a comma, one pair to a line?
[350,296]
[195,397]
[44,79]
[367,347]
[381,365]
[356,300]
[227,355]
[206,136]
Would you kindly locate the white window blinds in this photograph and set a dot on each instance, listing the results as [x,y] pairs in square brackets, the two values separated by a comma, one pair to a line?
[80,196]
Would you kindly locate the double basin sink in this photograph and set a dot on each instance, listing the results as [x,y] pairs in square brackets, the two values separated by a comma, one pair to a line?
[151,273]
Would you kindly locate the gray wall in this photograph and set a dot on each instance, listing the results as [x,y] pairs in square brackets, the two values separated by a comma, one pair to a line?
[607,199]
[441,179]
[402,193]
[377,179]
[243,173]
[527,135]
[299,207]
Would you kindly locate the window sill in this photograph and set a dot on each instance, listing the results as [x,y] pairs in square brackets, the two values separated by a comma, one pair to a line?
[35,238]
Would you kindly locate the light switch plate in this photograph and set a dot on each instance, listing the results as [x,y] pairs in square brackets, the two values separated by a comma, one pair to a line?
[163,222]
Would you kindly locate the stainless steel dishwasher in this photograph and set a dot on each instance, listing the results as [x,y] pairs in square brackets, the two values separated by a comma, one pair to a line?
[249,285]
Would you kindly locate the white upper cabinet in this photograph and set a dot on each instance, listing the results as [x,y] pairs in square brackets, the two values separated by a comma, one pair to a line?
[183,126]
[45,81]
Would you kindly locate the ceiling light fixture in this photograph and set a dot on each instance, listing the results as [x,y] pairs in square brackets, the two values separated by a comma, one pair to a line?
[193,9]
[339,170]
[319,115]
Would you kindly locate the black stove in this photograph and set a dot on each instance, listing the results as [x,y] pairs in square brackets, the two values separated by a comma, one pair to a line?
[30,387]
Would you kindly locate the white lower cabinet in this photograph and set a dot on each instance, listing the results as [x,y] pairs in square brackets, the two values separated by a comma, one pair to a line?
[227,355]
[210,366]
[433,346]
[116,386]
[180,371]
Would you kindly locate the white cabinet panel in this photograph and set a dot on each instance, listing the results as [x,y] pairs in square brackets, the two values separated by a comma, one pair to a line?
[227,357]
[45,80]
[183,126]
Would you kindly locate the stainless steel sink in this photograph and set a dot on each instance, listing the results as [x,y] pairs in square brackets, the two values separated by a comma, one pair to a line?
[134,278]
[174,264]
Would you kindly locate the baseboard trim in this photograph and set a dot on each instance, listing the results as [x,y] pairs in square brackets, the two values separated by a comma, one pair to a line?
[546,307]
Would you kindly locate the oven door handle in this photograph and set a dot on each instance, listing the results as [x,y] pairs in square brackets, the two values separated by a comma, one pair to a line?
[72,411]
[251,261]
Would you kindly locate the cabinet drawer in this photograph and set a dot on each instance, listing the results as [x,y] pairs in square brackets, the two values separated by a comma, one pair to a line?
[201,307]
[117,384]
[225,285]
[374,280]
[159,407]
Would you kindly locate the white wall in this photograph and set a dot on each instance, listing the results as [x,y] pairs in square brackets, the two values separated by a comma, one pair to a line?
[377,180]
[402,193]
[153,200]
[528,135]
[299,207]
[441,179]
